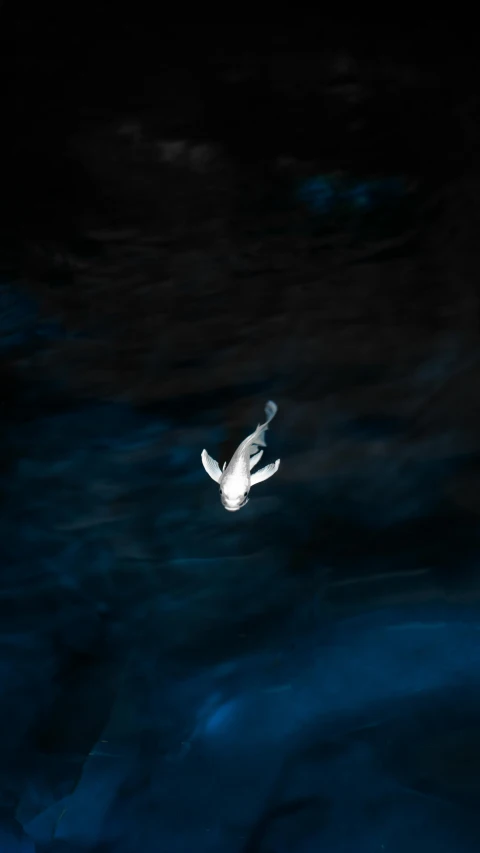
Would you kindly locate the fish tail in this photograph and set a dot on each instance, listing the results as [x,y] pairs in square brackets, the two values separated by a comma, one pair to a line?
[271,410]
[258,437]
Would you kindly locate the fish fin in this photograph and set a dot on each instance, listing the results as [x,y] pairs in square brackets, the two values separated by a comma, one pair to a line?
[257,438]
[260,440]
[264,473]
[211,466]
[271,410]
[256,458]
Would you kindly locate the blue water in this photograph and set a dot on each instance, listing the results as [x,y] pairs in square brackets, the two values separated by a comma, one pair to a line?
[175,678]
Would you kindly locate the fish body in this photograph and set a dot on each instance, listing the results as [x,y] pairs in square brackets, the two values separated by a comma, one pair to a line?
[236,478]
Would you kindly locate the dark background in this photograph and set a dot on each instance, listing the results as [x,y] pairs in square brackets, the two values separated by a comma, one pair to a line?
[199,213]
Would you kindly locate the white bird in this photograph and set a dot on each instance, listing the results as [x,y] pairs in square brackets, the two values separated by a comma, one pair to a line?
[236,479]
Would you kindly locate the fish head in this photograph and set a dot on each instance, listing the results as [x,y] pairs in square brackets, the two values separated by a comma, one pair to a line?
[234,492]
[237,503]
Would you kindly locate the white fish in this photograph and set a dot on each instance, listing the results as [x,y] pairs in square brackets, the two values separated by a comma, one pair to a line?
[236,479]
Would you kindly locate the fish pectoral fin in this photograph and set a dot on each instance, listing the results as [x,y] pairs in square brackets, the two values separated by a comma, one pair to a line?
[265,473]
[211,466]
[256,458]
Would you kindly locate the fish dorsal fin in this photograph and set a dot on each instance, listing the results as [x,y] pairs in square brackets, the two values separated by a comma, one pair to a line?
[211,466]
[265,473]
[255,458]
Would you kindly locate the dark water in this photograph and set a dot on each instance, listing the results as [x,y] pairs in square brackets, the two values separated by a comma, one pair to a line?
[302,675]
